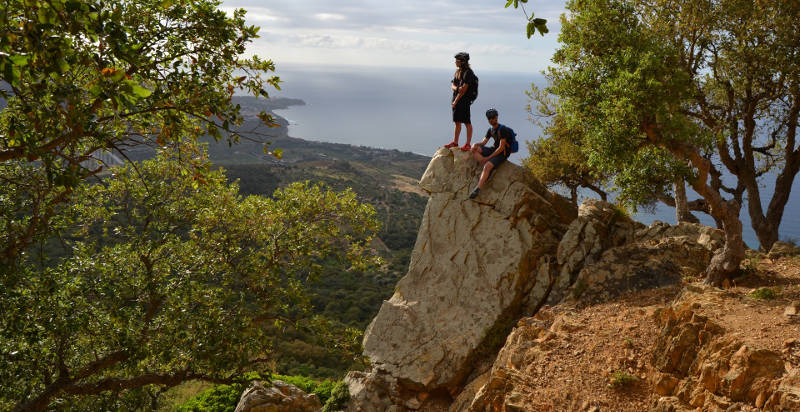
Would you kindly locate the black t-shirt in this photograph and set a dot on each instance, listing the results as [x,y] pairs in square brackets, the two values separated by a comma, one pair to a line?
[505,134]
[468,77]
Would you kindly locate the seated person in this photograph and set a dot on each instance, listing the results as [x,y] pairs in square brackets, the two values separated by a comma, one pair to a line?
[491,157]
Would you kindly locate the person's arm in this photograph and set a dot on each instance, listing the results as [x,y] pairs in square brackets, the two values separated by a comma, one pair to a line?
[500,149]
[461,91]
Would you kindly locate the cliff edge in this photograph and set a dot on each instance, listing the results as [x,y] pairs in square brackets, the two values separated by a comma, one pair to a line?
[481,267]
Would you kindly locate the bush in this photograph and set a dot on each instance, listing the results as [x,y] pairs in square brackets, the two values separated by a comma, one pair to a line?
[338,398]
[223,398]
[621,379]
[764,294]
[220,398]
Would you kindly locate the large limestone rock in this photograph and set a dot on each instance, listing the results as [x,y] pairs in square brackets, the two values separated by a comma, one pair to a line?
[474,265]
[278,397]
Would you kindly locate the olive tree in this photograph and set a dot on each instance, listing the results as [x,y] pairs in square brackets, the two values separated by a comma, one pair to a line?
[167,274]
[713,84]
[80,77]
[620,83]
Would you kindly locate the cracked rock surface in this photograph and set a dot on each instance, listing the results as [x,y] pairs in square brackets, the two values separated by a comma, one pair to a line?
[474,264]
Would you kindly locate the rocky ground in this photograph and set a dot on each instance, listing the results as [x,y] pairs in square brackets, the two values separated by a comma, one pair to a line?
[618,355]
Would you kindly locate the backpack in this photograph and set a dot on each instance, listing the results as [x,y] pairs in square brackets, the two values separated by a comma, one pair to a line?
[514,147]
[473,91]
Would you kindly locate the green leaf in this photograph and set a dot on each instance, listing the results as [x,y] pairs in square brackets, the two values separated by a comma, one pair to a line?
[140,91]
[18,59]
[510,2]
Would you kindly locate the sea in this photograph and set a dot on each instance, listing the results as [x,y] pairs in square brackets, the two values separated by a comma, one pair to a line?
[409,110]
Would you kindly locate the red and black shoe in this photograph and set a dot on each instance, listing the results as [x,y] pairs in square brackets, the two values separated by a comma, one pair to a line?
[466,148]
[451,145]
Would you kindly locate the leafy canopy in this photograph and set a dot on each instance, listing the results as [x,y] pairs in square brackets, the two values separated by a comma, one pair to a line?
[85,76]
[163,280]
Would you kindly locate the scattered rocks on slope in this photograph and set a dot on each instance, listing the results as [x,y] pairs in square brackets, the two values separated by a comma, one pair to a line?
[701,366]
[279,397]
[475,264]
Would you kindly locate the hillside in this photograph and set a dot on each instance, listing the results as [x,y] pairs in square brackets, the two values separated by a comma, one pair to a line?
[385,179]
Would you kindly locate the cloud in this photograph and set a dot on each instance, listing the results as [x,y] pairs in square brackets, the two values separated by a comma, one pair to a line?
[259,15]
[412,32]
[330,17]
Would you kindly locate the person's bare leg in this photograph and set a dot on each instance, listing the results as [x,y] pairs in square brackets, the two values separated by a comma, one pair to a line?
[469,134]
[487,170]
[457,132]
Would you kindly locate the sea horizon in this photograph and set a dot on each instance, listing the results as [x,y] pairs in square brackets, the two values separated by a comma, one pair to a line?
[408,110]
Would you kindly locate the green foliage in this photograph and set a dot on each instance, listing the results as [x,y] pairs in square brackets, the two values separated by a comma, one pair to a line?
[559,160]
[338,399]
[620,380]
[534,24]
[94,75]
[691,90]
[173,279]
[224,398]
[764,294]
[220,398]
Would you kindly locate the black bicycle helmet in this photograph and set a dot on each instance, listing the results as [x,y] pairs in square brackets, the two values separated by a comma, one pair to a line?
[463,56]
[491,113]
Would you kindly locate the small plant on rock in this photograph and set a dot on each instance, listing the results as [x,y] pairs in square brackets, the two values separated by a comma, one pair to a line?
[620,379]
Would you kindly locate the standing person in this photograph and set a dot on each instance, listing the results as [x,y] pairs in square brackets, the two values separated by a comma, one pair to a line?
[465,90]
[491,157]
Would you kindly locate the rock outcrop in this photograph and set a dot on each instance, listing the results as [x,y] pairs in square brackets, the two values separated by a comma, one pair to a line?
[605,253]
[475,265]
[700,366]
[278,397]
[783,249]
[480,265]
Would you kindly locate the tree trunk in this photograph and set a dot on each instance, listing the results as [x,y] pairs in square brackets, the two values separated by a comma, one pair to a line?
[725,262]
[682,212]
[573,192]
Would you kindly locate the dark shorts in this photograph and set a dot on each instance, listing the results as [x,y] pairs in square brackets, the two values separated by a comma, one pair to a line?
[461,112]
[487,151]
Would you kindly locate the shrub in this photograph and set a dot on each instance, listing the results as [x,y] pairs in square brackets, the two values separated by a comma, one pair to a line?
[338,398]
[621,379]
[764,294]
[223,398]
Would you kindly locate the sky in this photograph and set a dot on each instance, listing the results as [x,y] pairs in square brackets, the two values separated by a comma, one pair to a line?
[401,33]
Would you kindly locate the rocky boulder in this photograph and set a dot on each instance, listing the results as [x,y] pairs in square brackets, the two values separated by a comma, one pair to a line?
[605,253]
[475,265]
[783,249]
[277,397]
[599,227]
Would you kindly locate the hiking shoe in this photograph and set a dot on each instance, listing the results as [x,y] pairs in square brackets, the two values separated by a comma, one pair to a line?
[451,145]
[474,193]
[466,148]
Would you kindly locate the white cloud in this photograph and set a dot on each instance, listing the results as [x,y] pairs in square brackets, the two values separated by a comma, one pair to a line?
[330,17]
[411,33]
[258,14]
